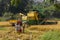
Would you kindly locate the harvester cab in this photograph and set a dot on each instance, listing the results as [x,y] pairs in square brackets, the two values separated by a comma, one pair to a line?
[32,17]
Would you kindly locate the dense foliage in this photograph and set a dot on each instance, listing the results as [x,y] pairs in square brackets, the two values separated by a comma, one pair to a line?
[47,7]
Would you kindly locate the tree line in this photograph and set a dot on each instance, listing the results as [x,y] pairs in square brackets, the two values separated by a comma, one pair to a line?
[16,6]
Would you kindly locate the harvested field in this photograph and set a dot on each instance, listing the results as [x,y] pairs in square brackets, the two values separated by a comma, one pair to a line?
[5,24]
[31,33]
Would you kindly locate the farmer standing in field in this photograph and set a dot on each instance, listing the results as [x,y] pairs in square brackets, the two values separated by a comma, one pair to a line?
[19,26]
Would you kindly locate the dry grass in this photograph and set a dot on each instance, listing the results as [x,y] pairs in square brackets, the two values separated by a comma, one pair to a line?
[45,27]
[5,24]
[34,30]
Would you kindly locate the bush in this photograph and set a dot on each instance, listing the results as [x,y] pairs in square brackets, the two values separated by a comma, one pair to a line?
[51,35]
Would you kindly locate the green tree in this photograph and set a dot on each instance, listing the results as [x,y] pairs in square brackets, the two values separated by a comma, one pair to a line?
[16,2]
[57,6]
[18,6]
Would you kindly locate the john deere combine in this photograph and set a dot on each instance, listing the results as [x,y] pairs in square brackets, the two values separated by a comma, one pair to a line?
[32,18]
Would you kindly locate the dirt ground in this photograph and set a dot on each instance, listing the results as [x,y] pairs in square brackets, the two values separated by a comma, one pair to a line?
[31,33]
